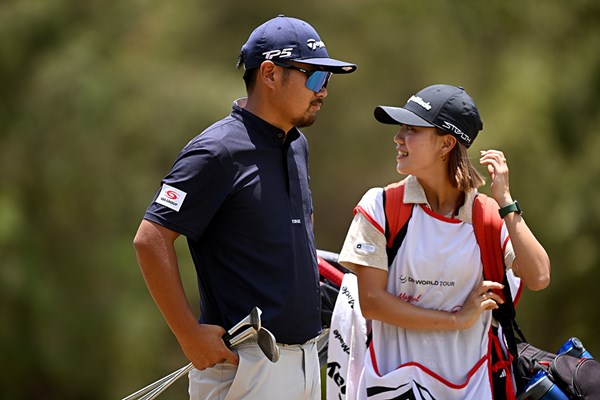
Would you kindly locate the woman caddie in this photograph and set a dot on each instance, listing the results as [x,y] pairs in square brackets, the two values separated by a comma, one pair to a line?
[432,340]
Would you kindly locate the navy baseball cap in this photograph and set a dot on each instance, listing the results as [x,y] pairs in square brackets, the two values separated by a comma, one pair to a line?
[284,39]
[446,107]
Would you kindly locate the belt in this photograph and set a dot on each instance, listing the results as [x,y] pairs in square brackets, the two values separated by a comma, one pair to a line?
[253,340]
[309,341]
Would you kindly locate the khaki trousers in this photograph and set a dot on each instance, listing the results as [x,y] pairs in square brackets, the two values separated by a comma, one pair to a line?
[296,376]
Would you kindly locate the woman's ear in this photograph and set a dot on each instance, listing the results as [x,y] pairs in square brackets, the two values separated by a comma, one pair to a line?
[448,143]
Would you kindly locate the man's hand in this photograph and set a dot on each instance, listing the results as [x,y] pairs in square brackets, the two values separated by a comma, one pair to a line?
[205,348]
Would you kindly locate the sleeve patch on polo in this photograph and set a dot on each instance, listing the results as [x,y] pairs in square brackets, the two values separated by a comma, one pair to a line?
[365,248]
[170,197]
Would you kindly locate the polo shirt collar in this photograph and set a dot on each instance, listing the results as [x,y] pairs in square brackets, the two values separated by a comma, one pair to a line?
[415,194]
[261,126]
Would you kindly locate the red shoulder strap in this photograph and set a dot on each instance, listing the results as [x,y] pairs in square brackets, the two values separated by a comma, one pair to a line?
[488,229]
[487,225]
[397,213]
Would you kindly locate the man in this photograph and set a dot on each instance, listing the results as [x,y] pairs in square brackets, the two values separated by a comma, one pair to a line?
[239,193]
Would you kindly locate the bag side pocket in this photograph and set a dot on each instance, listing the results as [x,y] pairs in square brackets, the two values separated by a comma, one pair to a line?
[578,378]
[586,379]
[562,370]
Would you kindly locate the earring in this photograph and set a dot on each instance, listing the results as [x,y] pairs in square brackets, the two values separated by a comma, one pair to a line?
[443,157]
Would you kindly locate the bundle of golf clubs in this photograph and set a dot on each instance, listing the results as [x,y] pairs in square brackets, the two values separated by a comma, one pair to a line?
[249,328]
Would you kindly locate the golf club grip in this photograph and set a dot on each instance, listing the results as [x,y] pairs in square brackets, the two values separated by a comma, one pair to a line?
[227,339]
[329,272]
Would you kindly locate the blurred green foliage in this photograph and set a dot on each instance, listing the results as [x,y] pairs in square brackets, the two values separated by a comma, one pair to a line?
[98,97]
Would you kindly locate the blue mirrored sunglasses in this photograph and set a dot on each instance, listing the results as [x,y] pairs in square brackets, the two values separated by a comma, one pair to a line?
[316,80]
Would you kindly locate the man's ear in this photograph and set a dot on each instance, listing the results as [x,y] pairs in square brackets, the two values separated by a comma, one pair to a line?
[266,73]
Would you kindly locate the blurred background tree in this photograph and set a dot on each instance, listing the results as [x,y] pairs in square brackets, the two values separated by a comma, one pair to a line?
[98,97]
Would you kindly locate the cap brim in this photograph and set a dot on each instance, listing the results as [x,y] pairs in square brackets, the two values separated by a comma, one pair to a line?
[398,116]
[329,64]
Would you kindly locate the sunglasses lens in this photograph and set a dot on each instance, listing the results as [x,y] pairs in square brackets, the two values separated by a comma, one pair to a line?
[318,80]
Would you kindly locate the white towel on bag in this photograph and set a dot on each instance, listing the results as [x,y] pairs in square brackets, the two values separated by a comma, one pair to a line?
[347,343]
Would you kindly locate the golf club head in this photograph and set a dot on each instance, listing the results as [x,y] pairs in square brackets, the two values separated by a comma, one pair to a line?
[252,319]
[268,344]
[255,320]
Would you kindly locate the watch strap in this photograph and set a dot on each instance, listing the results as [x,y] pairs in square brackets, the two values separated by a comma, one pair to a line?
[512,207]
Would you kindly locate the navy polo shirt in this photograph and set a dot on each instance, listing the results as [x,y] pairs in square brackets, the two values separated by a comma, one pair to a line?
[239,192]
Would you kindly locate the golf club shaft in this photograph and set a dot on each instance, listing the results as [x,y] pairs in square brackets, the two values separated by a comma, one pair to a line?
[153,385]
[158,390]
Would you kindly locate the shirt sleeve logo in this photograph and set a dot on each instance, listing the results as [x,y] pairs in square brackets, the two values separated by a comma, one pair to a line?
[365,248]
[171,197]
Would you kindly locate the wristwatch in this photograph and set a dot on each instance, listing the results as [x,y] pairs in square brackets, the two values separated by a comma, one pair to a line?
[512,207]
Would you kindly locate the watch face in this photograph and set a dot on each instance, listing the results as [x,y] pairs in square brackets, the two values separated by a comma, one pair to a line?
[518,207]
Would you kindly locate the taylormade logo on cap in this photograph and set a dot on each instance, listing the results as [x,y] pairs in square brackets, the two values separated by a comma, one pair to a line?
[315,44]
[420,102]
